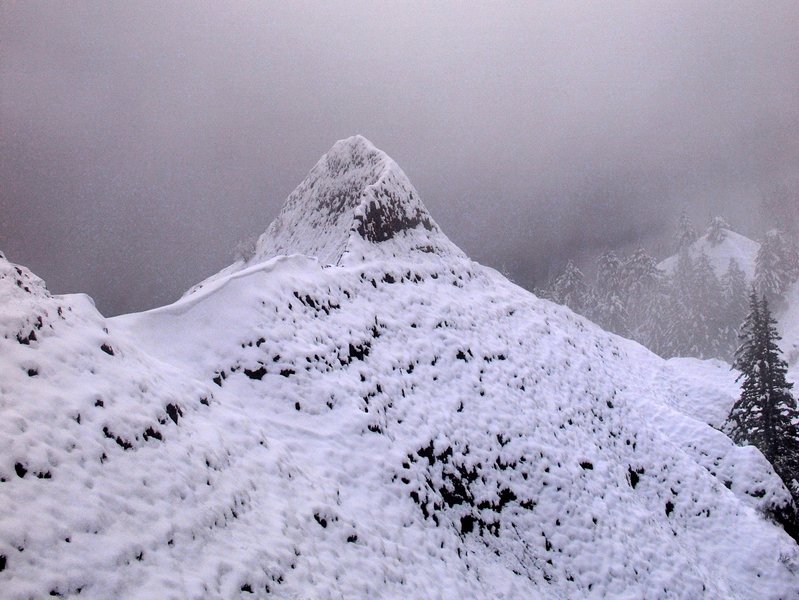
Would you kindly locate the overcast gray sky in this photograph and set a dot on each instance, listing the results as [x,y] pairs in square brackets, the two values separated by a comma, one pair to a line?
[139,141]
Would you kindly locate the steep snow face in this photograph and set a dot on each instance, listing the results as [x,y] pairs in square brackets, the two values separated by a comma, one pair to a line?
[354,196]
[733,245]
[404,423]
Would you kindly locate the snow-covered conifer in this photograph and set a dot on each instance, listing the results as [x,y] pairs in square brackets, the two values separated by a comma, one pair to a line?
[765,415]
[705,326]
[734,289]
[571,289]
[717,230]
[776,266]
[686,234]
[610,307]
[641,279]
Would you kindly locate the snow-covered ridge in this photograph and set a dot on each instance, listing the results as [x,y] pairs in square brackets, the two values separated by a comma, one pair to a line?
[403,423]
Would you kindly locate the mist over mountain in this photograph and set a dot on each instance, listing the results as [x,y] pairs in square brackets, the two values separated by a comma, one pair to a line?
[141,141]
[357,408]
[528,329]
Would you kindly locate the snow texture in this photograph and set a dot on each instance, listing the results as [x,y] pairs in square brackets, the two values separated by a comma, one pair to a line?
[403,423]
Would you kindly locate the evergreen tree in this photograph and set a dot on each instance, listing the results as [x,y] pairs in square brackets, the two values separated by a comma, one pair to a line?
[694,326]
[610,307]
[745,358]
[656,330]
[780,207]
[765,415]
[776,266]
[686,234]
[571,289]
[706,330]
[717,230]
[678,338]
[640,281]
[734,290]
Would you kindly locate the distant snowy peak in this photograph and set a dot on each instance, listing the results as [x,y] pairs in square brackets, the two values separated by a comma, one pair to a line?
[355,202]
[732,245]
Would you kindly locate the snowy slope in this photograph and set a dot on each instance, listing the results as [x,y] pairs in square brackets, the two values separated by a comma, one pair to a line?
[734,245]
[405,423]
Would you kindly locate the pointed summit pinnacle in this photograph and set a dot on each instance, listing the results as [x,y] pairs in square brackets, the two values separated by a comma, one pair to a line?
[353,203]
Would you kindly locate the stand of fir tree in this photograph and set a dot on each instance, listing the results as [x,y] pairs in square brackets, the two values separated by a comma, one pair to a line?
[766,415]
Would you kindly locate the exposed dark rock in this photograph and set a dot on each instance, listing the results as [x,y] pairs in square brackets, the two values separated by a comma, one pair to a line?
[174,412]
[152,433]
[255,373]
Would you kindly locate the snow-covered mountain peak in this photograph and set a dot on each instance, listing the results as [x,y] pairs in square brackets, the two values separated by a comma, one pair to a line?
[355,203]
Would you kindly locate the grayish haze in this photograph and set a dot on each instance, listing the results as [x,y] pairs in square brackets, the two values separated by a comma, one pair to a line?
[139,141]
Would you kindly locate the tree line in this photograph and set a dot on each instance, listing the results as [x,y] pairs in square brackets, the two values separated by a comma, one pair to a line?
[689,311]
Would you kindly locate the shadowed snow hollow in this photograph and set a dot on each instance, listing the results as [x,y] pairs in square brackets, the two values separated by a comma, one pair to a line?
[387,419]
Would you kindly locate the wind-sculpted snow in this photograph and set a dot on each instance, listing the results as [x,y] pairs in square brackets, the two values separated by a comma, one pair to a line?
[390,426]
